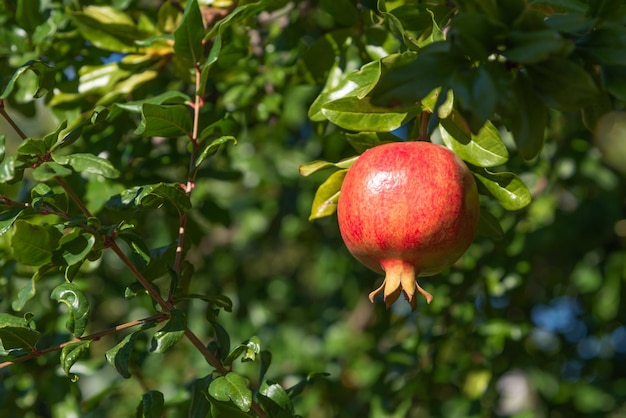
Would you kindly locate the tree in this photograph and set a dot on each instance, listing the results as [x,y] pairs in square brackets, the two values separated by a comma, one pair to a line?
[167,231]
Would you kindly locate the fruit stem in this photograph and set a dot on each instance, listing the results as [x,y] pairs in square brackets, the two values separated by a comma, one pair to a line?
[400,278]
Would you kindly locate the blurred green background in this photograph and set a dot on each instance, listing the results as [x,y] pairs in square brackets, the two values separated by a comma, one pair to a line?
[530,325]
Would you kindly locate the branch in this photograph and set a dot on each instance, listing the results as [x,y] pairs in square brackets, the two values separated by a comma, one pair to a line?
[93,337]
[10,120]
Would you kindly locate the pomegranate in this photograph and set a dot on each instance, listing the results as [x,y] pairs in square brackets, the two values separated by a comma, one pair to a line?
[407,209]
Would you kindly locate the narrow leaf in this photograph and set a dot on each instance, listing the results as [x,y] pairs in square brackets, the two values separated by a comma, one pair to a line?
[361,115]
[120,355]
[528,120]
[327,196]
[8,218]
[74,298]
[70,354]
[188,35]
[315,166]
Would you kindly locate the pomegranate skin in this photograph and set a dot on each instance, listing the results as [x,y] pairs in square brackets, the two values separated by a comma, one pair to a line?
[408,209]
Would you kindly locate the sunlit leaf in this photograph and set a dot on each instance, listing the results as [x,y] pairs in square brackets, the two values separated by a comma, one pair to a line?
[355,84]
[275,400]
[327,196]
[361,115]
[74,247]
[484,149]
[232,387]
[89,164]
[315,166]
[78,306]
[507,187]
[8,218]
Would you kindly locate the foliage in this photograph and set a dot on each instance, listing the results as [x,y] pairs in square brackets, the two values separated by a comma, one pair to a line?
[160,163]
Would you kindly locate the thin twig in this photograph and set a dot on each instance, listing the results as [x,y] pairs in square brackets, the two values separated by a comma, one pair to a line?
[10,120]
[168,307]
[93,337]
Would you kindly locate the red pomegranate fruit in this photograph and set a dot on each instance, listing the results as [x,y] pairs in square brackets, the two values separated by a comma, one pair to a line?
[407,209]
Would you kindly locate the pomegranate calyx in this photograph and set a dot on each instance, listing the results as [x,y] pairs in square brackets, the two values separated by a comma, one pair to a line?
[399,278]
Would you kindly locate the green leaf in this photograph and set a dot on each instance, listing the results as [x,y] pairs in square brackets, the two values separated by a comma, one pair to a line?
[152,196]
[362,115]
[316,63]
[562,84]
[107,28]
[476,95]
[362,141]
[74,247]
[27,15]
[88,163]
[16,337]
[70,354]
[315,166]
[98,115]
[297,389]
[327,196]
[533,47]
[33,245]
[171,97]
[484,149]
[489,226]
[507,187]
[528,120]
[275,400]
[169,121]
[232,387]
[247,351]
[356,84]
[74,298]
[171,333]
[200,405]
[151,406]
[45,78]
[210,148]
[28,292]
[410,83]
[188,35]
[222,338]
[119,356]
[2,147]
[8,218]
[49,170]
[343,12]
